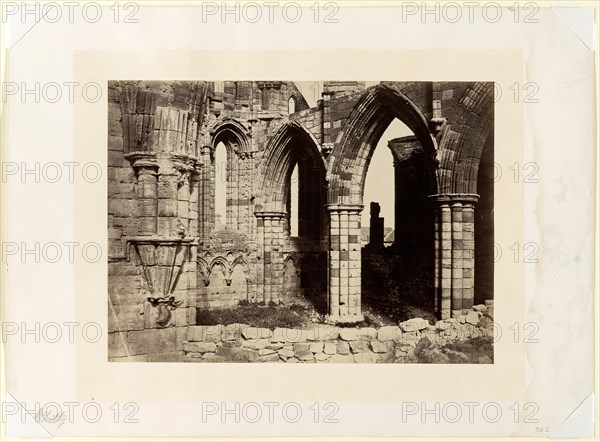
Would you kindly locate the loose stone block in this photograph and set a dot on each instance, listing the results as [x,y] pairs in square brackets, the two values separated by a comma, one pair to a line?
[233,331]
[269,358]
[231,344]
[359,346]
[287,335]
[349,334]
[343,348]
[320,357]
[301,346]
[256,333]
[330,348]
[368,333]
[472,318]
[256,344]
[328,332]
[286,353]
[382,347]
[414,325]
[304,356]
[389,333]
[265,352]
[316,347]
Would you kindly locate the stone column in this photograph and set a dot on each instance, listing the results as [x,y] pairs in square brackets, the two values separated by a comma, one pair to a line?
[445,263]
[344,263]
[168,181]
[468,254]
[206,218]
[270,235]
[454,253]
[146,170]
[457,252]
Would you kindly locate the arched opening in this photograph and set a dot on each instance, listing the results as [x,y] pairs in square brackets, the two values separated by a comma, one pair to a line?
[294,192]
[291,105]
[394,278]
[294,182]
[228,204]
[381,176]
[220,186]
[397,225]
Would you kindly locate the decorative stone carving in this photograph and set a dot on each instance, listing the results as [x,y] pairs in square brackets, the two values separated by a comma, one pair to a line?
[164,306]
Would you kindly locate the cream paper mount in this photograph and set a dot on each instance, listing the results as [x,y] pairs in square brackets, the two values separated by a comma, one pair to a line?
[142,136]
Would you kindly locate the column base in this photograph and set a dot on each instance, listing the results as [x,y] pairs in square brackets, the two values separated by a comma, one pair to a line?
[346,319]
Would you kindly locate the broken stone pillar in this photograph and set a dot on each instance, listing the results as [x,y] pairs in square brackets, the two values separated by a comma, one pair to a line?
[412,187]
[344,263]
[454,253]
[270,236]
[376,226]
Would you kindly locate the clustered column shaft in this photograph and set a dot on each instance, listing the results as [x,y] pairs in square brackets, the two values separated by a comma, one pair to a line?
[270,235]
[345,262]
[454,253]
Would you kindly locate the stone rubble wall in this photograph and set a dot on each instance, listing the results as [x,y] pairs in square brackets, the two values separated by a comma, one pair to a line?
[328,343]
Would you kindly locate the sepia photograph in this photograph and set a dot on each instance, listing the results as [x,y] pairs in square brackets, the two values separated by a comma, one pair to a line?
[329,220]
[301,222]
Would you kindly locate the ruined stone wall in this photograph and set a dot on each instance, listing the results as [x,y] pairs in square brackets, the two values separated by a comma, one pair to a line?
[403,343]
[162,237]
[125,281]
[153,190]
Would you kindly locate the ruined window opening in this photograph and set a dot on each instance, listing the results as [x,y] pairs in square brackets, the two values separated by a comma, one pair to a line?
[218,86]
[380,175]
[291,105]
[220,186]
[293,202]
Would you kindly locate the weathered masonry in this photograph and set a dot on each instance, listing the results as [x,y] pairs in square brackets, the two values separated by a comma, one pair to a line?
[169,255]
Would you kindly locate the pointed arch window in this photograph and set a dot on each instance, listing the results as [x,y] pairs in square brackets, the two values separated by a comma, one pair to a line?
[293,202]
[220,186]
[291,105]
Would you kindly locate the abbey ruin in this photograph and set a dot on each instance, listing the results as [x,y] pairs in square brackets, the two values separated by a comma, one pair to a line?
[169,255]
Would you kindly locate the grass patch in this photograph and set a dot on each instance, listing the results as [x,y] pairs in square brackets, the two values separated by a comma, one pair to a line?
[393,305]
[270,315]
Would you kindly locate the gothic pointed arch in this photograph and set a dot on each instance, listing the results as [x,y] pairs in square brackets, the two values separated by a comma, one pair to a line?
[232,133]
[293,145]
[462,141]
[356,142]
